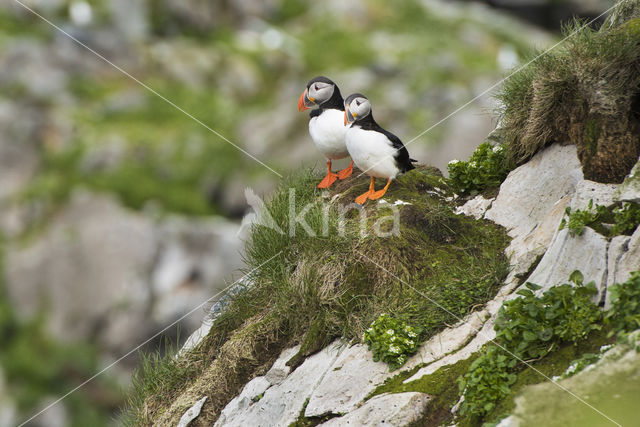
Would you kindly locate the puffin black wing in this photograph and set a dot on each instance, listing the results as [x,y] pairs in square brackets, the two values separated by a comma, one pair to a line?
[403,161]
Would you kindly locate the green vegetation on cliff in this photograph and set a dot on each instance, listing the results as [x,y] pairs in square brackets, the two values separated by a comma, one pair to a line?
[331,276]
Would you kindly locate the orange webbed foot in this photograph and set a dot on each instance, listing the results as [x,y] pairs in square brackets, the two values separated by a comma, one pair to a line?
[363,198]
[377,194]
[328,180]
[346,172]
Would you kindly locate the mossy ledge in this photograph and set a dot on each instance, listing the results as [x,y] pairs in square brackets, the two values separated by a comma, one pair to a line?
[325,286]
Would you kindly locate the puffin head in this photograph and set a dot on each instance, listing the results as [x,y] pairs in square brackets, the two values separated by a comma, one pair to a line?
[356,106]
[319,90]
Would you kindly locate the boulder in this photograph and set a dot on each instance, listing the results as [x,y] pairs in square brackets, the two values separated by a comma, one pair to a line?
[399,409]
[587,253]
[532,201]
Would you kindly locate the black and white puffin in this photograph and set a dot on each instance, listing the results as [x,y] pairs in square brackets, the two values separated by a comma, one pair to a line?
[377,152]
[326,125]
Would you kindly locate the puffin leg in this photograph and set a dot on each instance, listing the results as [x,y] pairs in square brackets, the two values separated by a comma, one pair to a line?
[364,196]
[377,194]
[329,179]
[346,172]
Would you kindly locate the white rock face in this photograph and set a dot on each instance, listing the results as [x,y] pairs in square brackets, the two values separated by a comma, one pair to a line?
[351,378]
[532,201]
[601,194]
[257,386]
[587,253]
[449,340]
[475,207]
[398,409]
[630,189]
[192,413]
[281,404]
[617,248]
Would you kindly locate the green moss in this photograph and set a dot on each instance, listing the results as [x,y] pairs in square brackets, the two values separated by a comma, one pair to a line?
[554,364]
[592,130]
[442,385]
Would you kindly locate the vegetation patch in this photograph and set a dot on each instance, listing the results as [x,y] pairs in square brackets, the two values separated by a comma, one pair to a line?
[619,218]
[487,167]
[391,340]
[528,328]
[624,314]
[330,274]
[583,92]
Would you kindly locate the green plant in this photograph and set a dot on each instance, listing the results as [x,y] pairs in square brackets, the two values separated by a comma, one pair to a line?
[488,380]
[624,315]
[529,327]
[626,218]
[578,219]
[487,167]
[391,340]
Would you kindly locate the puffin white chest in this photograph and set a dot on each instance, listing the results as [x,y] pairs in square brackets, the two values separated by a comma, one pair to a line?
[372,152]
[328,131]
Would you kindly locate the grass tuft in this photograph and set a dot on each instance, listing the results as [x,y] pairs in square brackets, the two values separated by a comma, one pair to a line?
[585,92]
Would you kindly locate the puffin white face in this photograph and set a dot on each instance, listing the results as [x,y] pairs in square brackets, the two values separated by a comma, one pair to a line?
[316,93]
[357,108]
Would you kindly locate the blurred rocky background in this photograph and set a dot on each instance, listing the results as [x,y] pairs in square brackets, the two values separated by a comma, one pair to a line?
[120,212]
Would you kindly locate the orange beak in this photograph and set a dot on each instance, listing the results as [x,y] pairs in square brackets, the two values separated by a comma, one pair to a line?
[345,117]
[302,105]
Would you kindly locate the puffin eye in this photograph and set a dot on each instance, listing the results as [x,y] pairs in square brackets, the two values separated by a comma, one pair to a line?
[358,103]
[316,87]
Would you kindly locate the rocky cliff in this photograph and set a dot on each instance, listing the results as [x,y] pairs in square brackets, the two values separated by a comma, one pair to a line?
[302,341]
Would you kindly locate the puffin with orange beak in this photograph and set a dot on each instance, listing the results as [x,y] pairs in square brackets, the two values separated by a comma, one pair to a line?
[326,125]
[377,152]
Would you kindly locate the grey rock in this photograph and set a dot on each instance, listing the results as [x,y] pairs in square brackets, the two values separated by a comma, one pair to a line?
[398,409]
[89,269]
[618,246]
[629,261]
[475,207]
[254,389]
[192,413]
[629,190]
[130,18]
[281,404]
[587,253]
[194,258]
[351,378]
[532,201]
[600,194]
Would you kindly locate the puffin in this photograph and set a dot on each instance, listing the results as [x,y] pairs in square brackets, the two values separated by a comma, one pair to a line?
[377,152]
[326,124]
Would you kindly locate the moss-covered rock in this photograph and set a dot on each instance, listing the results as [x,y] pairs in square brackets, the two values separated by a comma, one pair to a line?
[336,269]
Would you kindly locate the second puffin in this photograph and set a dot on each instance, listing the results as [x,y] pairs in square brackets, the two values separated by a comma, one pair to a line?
[377,152]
